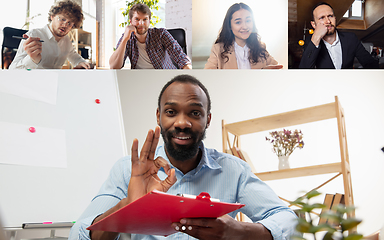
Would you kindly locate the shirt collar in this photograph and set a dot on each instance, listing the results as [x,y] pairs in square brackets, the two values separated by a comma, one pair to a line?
[48,32]
[205,161]
[334,43]
[243,49]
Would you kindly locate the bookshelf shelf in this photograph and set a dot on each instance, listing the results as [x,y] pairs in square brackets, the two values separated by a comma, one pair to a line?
[301,116]
[300,172]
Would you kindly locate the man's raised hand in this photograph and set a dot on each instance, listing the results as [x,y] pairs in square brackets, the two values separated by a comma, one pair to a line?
[128,31]
[320,31]
[33,48]
[144,177]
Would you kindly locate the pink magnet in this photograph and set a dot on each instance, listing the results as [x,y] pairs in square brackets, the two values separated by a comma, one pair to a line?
[97,101]
[32,129]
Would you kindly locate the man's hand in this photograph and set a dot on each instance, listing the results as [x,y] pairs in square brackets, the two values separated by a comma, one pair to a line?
[116,61]
[83,65]
[224,227]
[144,177]
[128,30]
[33,47]
[320,31]
[278,66]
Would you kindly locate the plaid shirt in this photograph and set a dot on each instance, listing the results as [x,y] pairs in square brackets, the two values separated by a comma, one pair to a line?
[158,42]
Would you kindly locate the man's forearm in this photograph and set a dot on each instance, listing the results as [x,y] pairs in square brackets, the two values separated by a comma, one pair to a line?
[316,39]
[255,231]
[116,61]
[23,62]
[101,235]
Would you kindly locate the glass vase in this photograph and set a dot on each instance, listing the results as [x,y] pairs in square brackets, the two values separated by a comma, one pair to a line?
[283,162]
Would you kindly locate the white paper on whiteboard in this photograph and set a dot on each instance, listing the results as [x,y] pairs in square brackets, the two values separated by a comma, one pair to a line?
[37,85]
[45,148]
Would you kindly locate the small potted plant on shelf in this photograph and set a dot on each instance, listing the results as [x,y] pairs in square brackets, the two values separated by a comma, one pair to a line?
[284,142]
[338,226]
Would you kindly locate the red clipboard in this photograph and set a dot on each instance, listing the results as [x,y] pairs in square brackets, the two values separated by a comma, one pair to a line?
[154,213]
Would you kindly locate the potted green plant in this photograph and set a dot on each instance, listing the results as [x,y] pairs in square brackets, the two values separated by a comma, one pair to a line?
[340,228]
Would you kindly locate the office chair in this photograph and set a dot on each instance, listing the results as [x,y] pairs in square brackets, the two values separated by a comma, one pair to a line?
[179,35]
[10,45]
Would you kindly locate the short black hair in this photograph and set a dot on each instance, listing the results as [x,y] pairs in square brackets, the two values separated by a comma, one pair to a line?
[185,78]
[319,4]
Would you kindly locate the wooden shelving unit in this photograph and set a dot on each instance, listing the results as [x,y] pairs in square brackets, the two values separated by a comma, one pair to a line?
[306,115]
[81,39]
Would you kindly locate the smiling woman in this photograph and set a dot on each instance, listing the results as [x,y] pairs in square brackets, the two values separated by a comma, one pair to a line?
[238,45]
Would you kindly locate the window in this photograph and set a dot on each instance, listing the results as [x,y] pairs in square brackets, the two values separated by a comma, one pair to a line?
[356,11]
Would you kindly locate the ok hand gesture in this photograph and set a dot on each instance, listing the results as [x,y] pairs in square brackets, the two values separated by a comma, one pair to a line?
[144,177]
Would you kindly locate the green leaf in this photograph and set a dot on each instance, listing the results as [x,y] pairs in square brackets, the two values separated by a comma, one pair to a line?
[349,223]
[315,229]
[353,236]
[343,209]
[326,227]
[303,226]
[328,235]
[298,201]
[331,216]
[312,194]
[309,208]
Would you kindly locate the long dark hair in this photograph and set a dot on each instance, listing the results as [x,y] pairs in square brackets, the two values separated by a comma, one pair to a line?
[226,36]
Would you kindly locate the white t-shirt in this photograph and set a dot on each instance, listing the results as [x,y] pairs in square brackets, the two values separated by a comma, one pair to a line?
[143,62]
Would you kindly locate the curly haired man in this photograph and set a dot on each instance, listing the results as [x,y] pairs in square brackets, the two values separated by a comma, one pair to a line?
[49,47]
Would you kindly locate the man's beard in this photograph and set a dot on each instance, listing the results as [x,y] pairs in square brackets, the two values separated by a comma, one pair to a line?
[331,31]
[142,31]
[182,152]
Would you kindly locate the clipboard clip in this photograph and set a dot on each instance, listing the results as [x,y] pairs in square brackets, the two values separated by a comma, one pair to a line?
[204,196]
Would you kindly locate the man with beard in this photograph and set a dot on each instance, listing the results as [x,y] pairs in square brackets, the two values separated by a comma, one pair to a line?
[332,49]
[147,48]
[185,165]
[49,47]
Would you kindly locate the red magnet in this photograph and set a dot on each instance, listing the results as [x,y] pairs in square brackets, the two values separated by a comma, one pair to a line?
[97,101]
[32,129]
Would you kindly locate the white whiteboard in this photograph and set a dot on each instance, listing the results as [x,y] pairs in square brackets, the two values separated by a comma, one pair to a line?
[93,144]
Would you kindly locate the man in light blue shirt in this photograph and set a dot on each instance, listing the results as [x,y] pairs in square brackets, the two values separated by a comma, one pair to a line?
[184,165]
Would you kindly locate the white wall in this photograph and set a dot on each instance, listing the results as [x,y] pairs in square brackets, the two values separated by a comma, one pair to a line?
[178,14]
[271,19]
[241,95]
[92,142]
